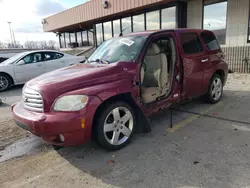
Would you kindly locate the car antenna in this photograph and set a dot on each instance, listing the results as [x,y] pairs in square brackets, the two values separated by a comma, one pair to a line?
[121,34]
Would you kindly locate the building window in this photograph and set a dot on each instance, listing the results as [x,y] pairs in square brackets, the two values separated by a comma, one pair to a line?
[99,34]
[91,37]
[126,25]
[116,27]
[72,37]
[215,17]
[62,44]
[79,38]
[107,30]
[191,43]
[153,20]
[67,41]
[84,38]
[210,41]
[168,18]
[138,23]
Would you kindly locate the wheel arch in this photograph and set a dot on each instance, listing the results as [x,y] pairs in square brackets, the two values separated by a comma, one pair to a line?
[221,73]
[126,97]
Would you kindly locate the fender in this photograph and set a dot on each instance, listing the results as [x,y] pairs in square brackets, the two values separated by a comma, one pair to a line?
[106,91]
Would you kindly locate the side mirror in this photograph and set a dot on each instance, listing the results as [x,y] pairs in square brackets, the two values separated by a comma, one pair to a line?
[21,62]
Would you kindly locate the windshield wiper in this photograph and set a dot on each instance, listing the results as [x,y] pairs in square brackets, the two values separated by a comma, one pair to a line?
[103,61]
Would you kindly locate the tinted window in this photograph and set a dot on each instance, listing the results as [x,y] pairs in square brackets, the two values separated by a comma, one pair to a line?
[139,23]
[99,34]
[107,30]
[72,37]
[84,38]
[210,41]
[116,27]
[153,20]
[126,25]
[62,44]
[67,39]
[52,56]
[33,58]
[191,43]
[79,38]
[91,37]
[168,18]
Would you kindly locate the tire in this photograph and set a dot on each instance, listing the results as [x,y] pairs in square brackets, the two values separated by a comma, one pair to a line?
[215,91]
[114,132]
[5,82]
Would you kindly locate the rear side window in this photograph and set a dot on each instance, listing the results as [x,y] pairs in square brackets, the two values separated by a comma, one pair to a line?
[52,55]
[191,43]
[210,41]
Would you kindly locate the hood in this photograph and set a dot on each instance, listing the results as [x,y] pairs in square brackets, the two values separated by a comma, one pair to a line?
[80,75]
[58,82]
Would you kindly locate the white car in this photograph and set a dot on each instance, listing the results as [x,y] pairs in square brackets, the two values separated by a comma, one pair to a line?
[27,65]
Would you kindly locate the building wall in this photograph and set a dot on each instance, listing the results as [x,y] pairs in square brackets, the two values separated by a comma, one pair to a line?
[194,14]
[237,20]
[237,23]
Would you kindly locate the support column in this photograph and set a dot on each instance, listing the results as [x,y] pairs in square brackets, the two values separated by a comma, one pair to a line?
[195,14]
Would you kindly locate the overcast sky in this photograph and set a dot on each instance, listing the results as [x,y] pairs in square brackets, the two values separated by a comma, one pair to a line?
[26,17]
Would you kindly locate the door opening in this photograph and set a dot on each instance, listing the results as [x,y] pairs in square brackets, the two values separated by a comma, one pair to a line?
[157,69]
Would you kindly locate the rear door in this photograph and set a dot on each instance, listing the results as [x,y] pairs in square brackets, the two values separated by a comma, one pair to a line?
[53,61]
[215,54]
[194,58]
[32,68]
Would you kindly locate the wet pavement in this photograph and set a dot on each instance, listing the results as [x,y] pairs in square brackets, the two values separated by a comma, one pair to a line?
[25,146]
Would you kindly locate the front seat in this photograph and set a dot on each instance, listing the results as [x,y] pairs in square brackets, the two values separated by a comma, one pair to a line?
[155,76]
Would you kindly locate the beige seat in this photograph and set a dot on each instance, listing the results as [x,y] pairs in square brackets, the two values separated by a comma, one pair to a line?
[154,74]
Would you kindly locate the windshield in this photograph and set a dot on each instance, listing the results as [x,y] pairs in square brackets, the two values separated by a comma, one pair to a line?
[119,49]
[14,58]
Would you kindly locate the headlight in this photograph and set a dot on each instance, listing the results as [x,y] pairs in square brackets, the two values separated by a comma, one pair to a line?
[71,103]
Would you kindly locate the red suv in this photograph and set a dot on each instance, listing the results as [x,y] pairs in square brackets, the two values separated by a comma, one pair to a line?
[126,79]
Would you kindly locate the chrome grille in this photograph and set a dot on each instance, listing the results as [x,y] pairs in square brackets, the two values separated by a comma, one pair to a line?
[32,100]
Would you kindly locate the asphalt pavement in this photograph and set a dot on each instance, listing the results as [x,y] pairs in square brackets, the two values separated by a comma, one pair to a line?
[208,146]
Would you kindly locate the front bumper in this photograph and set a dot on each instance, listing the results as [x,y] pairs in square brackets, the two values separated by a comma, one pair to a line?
[50,125]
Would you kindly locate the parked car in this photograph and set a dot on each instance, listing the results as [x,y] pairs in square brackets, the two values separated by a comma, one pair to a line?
[125,80]
[3,59]
[27,65]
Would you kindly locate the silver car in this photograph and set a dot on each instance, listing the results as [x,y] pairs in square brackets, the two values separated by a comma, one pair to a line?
[27,65]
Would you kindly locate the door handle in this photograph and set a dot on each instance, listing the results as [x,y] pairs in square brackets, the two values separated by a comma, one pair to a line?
[204,60]
[39,65]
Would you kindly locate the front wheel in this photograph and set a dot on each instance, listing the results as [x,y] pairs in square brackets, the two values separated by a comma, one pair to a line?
[215,89]
[115,125]
[5,82]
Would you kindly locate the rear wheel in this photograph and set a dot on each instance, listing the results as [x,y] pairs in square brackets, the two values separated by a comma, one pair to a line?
[115,125]
[5,82]
[215,89]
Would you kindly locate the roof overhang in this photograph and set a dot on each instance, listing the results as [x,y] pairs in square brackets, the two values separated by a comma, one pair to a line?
[85,15]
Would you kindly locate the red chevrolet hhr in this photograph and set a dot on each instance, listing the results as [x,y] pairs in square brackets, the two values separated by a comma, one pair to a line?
[125,80]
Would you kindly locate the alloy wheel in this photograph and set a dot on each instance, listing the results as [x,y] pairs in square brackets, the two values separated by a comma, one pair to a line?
[216,89]
[4,83]
[118,126]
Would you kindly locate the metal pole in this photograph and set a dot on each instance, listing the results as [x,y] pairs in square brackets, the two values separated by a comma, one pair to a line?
[14,39]
[11,42]
[171,117]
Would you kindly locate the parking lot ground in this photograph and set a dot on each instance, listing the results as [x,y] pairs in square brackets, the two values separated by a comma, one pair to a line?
[199,151]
